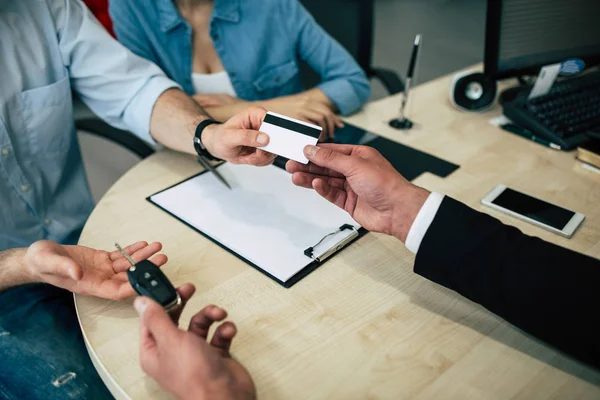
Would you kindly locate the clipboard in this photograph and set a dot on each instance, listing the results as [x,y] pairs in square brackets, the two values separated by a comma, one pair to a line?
[284,231]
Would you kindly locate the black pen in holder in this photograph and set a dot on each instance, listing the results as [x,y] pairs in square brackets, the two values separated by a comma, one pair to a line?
[402,122]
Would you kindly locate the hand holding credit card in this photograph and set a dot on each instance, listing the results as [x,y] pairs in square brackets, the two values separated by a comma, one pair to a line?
[289,136]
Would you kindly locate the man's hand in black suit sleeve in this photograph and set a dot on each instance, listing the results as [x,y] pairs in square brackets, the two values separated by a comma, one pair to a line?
[362,182]
[546,290]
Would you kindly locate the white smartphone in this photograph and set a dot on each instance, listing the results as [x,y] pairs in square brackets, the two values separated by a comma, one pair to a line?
[535,211]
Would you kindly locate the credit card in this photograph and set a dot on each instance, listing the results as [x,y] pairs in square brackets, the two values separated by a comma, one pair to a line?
[289,136]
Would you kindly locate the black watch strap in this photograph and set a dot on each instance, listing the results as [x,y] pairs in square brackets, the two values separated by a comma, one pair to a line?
[198,145]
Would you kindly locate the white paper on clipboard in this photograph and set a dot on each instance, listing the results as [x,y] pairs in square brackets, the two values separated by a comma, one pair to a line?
[264,218]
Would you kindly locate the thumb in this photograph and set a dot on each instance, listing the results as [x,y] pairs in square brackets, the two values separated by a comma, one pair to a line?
[64,267]
[155,320]
[151,330]
[331,159]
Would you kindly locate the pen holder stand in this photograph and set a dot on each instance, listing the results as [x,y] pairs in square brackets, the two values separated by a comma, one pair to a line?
[401,123]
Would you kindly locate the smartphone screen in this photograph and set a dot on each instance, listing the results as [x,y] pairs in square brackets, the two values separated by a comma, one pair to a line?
[533,208]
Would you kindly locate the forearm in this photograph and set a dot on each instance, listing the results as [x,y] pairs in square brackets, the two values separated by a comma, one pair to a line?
[225,112]
[174,120]
[278,104]
[314,95]
[317,95]
[341,77]
[13,270]
[546,290]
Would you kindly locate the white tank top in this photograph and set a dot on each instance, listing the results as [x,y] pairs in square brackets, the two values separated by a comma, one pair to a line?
[213,83]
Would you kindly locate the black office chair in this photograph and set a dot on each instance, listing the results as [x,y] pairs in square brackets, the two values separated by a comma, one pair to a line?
[350,22]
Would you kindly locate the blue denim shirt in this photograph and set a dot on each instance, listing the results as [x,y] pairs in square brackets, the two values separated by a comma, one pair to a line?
[260,43]
[49,48]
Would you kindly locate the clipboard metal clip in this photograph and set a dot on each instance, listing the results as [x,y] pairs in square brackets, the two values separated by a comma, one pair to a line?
[310,252]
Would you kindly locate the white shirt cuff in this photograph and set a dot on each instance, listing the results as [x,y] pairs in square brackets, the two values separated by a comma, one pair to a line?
[423,221]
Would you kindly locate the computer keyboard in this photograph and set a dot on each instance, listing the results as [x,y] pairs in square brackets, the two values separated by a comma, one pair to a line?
[565,116]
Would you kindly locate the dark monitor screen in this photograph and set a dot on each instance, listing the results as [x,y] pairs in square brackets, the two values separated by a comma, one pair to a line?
[524,35]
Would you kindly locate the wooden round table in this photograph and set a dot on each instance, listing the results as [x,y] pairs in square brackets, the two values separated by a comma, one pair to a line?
[363,325]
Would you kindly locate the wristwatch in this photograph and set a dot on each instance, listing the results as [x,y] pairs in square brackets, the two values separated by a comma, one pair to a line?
[198,145]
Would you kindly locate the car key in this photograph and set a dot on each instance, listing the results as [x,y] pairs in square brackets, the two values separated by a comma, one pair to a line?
[148,280]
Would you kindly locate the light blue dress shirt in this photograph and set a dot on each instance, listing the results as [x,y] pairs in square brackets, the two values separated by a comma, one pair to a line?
[47,49]
[260,43]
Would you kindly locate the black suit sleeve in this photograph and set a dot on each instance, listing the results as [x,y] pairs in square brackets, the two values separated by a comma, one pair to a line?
[546,290]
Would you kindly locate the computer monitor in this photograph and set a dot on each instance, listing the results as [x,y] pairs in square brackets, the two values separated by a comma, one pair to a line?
[524,35]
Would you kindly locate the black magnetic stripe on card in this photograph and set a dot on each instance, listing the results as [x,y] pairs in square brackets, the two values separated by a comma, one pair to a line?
[292,126]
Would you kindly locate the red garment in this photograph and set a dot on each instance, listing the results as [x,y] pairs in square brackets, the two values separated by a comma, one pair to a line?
[100,9]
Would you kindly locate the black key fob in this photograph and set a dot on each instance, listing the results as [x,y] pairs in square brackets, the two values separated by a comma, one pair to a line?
[148,280]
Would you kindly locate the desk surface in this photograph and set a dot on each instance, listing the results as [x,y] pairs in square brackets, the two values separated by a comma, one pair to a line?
[364,325]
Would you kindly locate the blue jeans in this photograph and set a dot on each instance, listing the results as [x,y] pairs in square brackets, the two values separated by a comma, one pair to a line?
[42,354]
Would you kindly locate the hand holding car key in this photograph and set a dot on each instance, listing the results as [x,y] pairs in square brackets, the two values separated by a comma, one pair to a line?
[148,280]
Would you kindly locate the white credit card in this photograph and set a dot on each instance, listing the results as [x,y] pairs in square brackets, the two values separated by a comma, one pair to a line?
[289,136]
